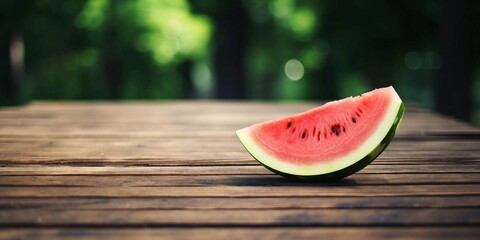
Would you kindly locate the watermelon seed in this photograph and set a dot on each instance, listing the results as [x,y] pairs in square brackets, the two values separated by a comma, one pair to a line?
[336,129]
[354,120]
[319,135]
[314,131]
[304,134]
[289,124]
[294,130]
[343,129]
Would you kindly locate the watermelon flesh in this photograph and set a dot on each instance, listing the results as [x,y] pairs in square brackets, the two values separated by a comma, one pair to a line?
[328,142]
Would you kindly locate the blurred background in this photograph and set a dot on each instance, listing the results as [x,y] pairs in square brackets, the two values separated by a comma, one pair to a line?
[273,50]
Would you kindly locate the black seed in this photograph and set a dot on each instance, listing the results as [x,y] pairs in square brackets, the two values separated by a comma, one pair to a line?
[344,129]
[354,120]
[336,129]
[289,124]
[304,134]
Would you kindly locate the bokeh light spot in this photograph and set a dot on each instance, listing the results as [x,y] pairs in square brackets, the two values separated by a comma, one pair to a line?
[294,69]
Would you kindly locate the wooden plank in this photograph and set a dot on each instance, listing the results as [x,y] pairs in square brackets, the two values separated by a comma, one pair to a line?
[132,170]
[245,217]
[148,150]
[108,118]
[203,159]
[141,129]
[232,180]
[242,233]
[196,156]
[439,158]
[194,137]
[198,141]
[157,165]
[206,203]
[256,169]
[244,191]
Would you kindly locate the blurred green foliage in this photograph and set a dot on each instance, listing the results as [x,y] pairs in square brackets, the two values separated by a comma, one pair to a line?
[101,49]
[159,49]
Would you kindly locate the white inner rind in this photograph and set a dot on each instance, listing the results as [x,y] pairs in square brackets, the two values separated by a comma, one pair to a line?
[333,165]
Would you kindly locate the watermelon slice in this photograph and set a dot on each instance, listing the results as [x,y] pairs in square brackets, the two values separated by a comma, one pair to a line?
[329,142]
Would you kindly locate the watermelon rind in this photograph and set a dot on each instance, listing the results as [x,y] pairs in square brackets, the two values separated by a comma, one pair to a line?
[339,168]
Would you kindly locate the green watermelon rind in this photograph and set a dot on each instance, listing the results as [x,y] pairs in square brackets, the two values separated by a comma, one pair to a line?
[349,170]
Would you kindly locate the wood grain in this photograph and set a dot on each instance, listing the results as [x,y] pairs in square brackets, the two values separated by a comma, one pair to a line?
[245,217]
[175,170]
[210,203]
[232,180]
[243,191]
[242,233]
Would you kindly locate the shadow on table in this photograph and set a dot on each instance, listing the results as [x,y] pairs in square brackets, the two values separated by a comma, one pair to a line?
[281,181]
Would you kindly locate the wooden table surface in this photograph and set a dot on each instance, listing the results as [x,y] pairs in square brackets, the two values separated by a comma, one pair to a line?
[175,170]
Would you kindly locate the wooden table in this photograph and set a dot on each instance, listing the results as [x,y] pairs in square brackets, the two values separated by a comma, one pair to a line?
[175,170]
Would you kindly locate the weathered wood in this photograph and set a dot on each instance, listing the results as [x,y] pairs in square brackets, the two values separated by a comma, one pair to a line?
[123,119]
[245,191]
[200,155]
[175,170]
[232,180]
[255,169]
[245,217]
[242,233]
[205,203]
